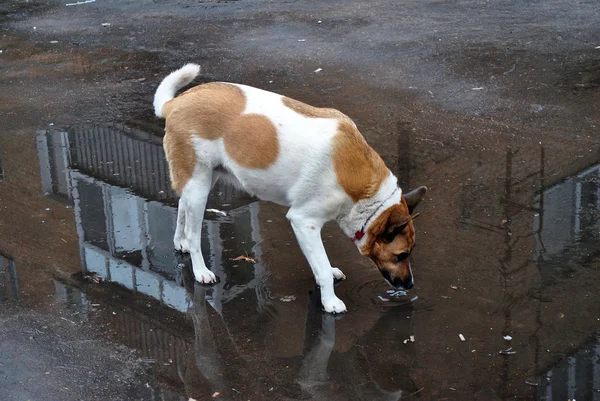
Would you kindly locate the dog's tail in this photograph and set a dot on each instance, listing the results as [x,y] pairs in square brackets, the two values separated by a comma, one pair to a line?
[171,84]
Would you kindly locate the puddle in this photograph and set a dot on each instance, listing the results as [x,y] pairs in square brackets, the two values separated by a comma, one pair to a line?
[506,247]
[115,179]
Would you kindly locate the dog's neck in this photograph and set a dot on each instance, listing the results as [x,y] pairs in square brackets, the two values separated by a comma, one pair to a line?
[356,221]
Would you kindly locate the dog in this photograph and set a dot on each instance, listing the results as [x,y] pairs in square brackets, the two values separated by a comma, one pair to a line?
[313,160]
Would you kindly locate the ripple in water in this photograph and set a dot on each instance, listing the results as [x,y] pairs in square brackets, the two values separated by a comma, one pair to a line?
[375,292]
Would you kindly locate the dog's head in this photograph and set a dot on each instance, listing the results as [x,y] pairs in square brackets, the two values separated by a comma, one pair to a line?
[391,239]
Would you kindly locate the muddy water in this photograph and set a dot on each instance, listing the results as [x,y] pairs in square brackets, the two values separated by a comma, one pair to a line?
[492,105]
[507,246]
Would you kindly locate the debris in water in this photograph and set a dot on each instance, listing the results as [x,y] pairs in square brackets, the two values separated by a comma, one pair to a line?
[597,47]
[462,338]
[222,213]
[507,338]
[319,21]
[405,341]
[93,277]
[301,40]
[508,351]
[454,287]
[80,2]
[511,70]
[397,293]
[244,258]
[477,89]
[531,383]
[288,298]
[412,339]
[413,299]
[504,221]
[106,24]
[318,70]
[383,299]
[70,321]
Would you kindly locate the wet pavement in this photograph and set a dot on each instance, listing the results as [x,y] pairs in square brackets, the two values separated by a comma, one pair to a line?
[493,106]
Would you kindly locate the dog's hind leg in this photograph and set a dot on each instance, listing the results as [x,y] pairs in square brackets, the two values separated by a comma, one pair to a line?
[193,199]
[179,240]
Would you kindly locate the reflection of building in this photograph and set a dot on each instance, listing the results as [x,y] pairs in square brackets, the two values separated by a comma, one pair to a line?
[569,213]
[576,377]
[126,238]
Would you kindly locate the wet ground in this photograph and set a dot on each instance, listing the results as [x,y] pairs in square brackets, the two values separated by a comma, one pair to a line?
[492,105]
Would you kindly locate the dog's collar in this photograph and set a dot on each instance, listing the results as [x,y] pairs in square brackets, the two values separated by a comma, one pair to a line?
[361,233]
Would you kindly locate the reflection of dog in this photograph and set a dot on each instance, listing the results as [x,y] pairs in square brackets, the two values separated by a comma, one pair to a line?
[313,160]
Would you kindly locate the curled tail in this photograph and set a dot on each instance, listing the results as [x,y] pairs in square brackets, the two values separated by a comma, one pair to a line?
[171,84]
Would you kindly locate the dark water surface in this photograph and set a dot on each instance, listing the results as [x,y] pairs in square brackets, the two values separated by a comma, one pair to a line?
[493,106]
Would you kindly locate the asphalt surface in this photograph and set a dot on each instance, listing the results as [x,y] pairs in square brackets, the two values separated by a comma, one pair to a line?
[492,105]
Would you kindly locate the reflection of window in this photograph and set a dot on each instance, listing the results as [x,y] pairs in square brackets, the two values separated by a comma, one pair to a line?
[127,225]
[567,224]
[93,220]
[53,152]
[160,223]
[568,211]
[9,286]
[575,377]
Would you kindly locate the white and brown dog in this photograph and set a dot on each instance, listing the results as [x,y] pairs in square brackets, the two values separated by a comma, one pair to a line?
[313,160]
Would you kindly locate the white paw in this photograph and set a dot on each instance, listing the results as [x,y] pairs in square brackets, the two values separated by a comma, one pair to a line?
[333,305]
[181,245]
[338,274]
[205,276]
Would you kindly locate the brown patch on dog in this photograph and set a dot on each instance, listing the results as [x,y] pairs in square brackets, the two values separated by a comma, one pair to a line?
[252,142]
[314,112]
[208,111]
[181,157]
[358,168]
[213,111]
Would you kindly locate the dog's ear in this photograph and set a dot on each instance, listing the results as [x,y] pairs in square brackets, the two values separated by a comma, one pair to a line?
[414,197]
[396,223]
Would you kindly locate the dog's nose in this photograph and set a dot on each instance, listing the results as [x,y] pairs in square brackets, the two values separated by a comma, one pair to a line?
[408,285]
[405,285]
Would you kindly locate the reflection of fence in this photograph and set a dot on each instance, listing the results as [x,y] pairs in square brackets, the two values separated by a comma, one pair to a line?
[576,377]
[119,155]
[124,156]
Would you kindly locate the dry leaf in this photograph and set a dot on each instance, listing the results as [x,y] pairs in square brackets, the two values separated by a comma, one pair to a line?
[244,258]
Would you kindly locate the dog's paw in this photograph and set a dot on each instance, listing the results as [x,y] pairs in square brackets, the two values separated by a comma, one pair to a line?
[333,305]
[181,245]
[205,277]
[338,274]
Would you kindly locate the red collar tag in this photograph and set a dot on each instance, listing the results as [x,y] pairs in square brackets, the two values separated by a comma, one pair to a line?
[358,235]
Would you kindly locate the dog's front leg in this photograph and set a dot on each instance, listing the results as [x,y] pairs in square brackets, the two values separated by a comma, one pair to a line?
[308,233]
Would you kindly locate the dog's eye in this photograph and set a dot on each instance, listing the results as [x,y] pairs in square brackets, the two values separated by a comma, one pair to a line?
[402,257]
